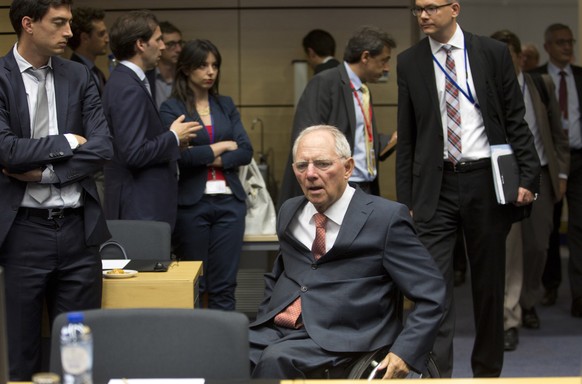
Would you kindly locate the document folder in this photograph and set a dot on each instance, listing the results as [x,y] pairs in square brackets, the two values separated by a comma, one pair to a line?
[505,173]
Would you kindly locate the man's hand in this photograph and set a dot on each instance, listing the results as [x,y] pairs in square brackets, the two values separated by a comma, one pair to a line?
[185,131]
[524,197]
[34,175]
[80,139]
[395,367]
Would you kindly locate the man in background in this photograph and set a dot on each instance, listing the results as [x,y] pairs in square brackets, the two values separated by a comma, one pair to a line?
[161,77]
[319,47]
[141,180]
[530,57]
[340,97]
[527,242]
[53,138]
[90,40]
[559,44]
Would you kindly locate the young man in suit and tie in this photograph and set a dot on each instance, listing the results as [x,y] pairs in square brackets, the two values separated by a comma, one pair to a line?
[141,181]
[340,97]
[53,137]
[345,258]
[559,44]
[457,96]
[527,242]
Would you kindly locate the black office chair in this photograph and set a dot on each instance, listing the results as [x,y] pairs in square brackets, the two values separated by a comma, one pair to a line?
[138,239]
[163,343]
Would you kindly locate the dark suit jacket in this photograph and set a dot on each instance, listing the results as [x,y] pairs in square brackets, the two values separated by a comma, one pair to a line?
[331,63]
[375,254]
[194,161]
[553,136]
[76,58]
[419,159]
[79,112]
[141,181]
[576,70]
[327,99]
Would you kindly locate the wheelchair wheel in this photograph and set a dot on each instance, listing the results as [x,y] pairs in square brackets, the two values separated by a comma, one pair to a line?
[366,364]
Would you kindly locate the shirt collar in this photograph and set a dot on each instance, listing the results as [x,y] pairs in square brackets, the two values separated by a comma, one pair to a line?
[24,65]
[338,210]
[555,70]
[354,79]
[457,41]
[135,68]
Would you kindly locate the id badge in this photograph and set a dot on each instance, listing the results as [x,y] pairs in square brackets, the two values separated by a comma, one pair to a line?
[215,187]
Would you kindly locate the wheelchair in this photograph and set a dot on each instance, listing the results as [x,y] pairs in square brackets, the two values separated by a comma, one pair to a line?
[363,366]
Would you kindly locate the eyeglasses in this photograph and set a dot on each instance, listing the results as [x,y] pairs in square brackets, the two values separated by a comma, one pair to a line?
[564,42]
[174,44]
[322,165]
[430,10]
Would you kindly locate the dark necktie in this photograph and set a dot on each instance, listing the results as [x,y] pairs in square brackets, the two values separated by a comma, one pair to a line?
[563,95]
[101,79]
[40,129]
[453,108]
[289,316]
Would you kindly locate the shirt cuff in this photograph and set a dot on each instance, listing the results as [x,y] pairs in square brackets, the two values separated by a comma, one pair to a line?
[73,143]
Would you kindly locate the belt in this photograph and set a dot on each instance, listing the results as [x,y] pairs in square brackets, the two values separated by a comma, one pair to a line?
[467,166]
[50,213]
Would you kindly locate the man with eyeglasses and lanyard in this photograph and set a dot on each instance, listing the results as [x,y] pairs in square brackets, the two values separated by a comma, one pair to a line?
[559,44]
[458,95]
[161,78]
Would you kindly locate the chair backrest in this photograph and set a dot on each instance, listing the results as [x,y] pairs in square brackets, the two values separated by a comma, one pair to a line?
[138,239]
[3,335]
[163,343]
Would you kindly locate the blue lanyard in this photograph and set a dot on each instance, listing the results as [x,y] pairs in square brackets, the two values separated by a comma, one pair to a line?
[468,94]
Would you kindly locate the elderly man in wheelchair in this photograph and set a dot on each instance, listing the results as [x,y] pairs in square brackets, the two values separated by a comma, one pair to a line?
[335,292]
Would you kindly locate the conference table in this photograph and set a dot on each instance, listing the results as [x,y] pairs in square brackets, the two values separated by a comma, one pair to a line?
[176,288]
[503,380]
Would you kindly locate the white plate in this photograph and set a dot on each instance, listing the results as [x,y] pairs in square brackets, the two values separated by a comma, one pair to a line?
[128,273]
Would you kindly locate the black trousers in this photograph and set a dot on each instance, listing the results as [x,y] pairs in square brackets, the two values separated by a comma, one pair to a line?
[467,201]
[45,261]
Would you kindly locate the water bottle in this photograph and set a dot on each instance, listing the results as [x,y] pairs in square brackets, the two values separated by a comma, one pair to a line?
[76,351]
[112,62]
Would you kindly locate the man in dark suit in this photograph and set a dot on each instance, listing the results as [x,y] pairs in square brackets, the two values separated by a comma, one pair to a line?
[319,47]
[53,137]
[335,287]
[457,96]
[336,97]
[559,44]
[141,181]
[90,40]
[527,242]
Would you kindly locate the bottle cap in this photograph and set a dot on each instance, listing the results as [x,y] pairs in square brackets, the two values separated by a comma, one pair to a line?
[75,317]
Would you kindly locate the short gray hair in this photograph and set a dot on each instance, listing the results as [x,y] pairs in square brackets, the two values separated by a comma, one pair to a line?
[342,147]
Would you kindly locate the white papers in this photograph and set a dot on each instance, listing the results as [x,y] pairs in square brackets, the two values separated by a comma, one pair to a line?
[114,263]
[156,381]
[505,173]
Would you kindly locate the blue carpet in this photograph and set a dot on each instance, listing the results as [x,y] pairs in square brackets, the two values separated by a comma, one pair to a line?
[553,350]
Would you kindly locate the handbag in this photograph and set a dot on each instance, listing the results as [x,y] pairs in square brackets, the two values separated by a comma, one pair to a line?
[261,217]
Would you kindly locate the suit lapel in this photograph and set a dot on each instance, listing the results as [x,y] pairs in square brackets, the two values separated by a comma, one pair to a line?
[61,83]
[426,73]
[349,102]
[478,76]
[22,117]
[356,216]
